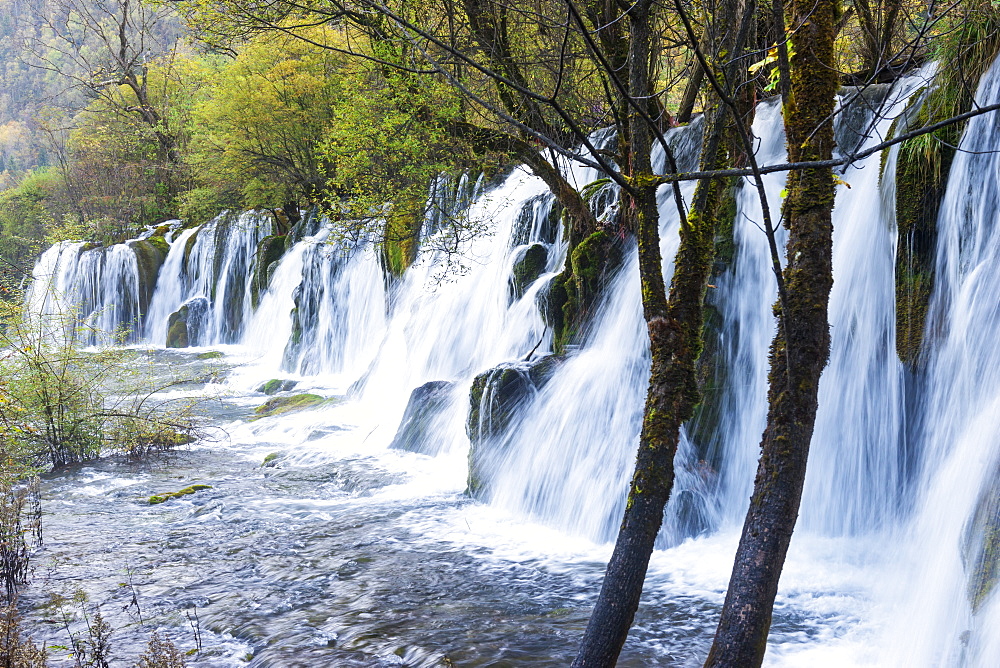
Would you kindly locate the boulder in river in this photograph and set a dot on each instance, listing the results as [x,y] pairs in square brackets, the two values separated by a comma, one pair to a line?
[186,324]
[495,399]
[427,405]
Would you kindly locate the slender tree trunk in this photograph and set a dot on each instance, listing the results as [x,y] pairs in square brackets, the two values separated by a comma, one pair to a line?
[675,343]
[796,362]
[690,96]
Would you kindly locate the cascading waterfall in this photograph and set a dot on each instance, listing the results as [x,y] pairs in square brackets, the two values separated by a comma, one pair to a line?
[211,268]
[98,287]
[948,612]
[329,316]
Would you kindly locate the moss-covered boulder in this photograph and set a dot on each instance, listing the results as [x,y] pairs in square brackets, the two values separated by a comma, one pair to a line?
[495,400]
[981,545]
[289,404]
[150,254]
[426,407]
[276,385]
[269,252]
[186,325]
[527,268]
[160,498]
[538,220]
[593,263]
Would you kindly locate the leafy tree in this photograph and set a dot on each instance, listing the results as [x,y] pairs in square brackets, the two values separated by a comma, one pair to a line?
[60,404]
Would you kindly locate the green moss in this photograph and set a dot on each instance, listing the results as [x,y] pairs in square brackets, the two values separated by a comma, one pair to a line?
[528,268]
[210,355]
[296,402]
[592,263]
[160,498]
[177,333]
[159,242]
[269,251]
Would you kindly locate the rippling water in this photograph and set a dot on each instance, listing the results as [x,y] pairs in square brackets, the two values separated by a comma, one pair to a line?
[338,556]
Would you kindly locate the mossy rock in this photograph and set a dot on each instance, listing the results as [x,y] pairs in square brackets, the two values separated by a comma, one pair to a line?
[189,246]
[269,252]
[210,355]
[593,262]
[527,269]
[427,404]
[177,336]
[981,545]
[495,399]
[276,385]
[184,326]
[295,402]
[271,460]
[922,169]
[150,254]
[160,498]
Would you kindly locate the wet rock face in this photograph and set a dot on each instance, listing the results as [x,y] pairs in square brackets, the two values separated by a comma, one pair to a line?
[149,255]
[981,548]
[527,269]
[496,398]
[186,325]
[427,406]
[539,220]
[269,252]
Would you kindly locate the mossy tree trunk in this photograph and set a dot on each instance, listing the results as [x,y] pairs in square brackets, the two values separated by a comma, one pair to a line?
[675,326]
[800,348]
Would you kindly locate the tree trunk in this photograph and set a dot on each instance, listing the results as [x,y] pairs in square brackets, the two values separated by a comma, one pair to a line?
[675,343]
[796,361]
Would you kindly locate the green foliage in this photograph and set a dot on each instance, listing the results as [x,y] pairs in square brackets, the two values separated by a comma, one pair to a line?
[25,222]
[161,653]
[60,404]
[260,121]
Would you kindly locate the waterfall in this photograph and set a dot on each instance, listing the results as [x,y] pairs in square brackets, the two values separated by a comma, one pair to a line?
[95,286]
[212,269]
[947,610]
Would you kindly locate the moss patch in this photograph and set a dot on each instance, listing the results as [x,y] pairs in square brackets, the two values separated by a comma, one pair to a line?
[528,268]
[210,355]
[296,402]
[160,498]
